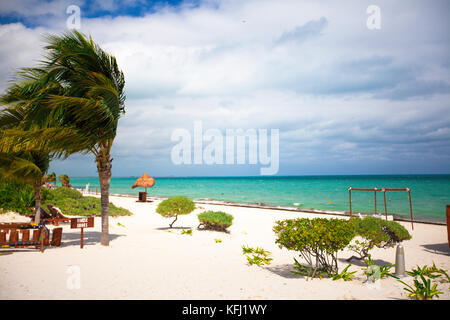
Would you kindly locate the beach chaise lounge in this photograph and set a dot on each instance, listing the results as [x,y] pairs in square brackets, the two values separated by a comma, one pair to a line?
[53,216]
[44,215]
[56,238]
[57,215]
[18,235]
[9,235]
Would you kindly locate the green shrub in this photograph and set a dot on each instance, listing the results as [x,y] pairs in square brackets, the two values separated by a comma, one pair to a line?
[317,240]
[215,220]
[175,206]
[61,193]
[72,202]
[16,196]
[375,232]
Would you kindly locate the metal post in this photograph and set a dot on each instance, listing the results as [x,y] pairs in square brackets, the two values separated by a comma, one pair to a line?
[410,207]
[375,200]
[350,199]
[448,223]
[400,261]
[385,206]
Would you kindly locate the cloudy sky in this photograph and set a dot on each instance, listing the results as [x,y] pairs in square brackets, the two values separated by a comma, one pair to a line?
[346,99]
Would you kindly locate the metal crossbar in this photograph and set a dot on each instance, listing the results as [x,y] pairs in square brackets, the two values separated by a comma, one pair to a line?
[375,190]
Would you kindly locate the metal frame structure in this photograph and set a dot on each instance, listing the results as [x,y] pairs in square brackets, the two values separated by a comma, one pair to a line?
[375,190]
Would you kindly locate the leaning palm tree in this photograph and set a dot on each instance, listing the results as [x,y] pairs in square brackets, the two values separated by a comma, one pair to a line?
[65,180]
[50,178]
[29,167]
[91,105]
[77,110]
[23,164]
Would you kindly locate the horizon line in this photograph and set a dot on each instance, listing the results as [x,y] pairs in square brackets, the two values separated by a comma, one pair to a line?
[281,176]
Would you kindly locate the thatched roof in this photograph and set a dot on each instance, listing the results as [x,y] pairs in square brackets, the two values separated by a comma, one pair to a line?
[144,181]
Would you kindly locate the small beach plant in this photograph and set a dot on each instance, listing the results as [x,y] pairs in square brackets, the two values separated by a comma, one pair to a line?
[257,256]
[215,220]
[375,232]
[431,272]
[309,271]
[385,270]
[422,288]
[318,240]
[188,232]
[344,274]
[372,271]
[375,272]
[175,206]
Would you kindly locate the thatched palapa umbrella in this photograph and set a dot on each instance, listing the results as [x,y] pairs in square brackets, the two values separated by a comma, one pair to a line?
[144,181]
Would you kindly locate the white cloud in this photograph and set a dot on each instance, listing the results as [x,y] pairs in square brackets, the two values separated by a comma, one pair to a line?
[335,89]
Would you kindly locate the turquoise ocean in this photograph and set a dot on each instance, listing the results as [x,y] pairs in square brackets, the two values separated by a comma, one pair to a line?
[429,193]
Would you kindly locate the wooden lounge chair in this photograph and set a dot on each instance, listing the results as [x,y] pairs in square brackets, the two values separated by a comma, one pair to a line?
[53,216]
[57,235]
[9,236]
[44,215]
[57,216]
[12,231]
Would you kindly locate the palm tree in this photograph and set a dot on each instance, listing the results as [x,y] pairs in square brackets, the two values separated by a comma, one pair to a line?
[78,105]
[30,165]
[91,106]
[65,180]
[50,178]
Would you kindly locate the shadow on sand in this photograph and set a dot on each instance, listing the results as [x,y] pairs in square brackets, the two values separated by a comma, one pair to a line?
[173,228]
[89,238]
[362,263]
[68,239]
[439,248]
[6,252]
[284,270]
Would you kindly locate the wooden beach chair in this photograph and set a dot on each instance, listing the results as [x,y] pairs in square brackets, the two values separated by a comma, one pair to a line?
[57,215]
[9,236]
[44,215]
[56,238]
[52,216]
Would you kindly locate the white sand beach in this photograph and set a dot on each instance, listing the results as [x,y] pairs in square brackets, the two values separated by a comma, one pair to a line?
[147,260]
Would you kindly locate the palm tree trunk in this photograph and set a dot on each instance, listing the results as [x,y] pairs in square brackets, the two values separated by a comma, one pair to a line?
[104,173]
[37,204]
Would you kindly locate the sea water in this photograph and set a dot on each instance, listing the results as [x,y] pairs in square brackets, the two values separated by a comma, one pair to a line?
[429,193]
